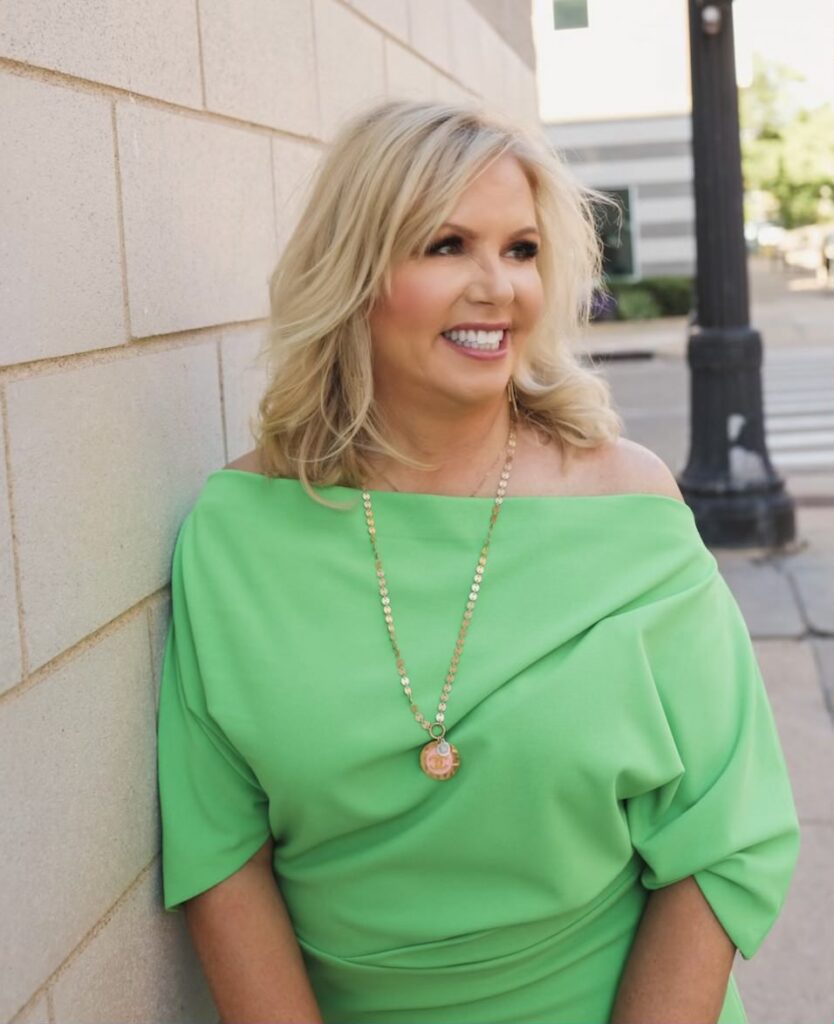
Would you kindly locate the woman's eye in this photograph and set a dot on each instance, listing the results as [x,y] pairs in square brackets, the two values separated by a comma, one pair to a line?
[528,250]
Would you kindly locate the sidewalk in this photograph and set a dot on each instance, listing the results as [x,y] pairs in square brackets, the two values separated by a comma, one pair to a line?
[787,598]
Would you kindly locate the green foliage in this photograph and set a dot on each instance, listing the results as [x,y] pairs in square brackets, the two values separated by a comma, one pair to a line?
[637,304]
[673,294]
[786,150]
[652,297]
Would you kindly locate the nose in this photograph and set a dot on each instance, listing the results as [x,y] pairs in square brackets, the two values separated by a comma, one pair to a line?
[491,281]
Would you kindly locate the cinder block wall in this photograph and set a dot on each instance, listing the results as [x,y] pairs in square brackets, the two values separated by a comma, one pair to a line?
[153,160]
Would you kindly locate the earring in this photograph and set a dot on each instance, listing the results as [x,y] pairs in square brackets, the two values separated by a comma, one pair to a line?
[512,397]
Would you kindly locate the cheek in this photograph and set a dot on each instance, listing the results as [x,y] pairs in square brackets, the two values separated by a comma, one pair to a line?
[414,300]
[534,291]
[417,304]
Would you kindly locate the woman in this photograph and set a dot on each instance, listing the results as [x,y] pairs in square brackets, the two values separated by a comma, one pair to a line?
[578,808]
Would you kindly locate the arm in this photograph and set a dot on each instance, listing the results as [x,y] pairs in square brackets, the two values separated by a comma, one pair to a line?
[679,966]
[246,944]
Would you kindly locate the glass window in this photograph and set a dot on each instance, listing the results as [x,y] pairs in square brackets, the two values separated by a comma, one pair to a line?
[614,227]
[570,14]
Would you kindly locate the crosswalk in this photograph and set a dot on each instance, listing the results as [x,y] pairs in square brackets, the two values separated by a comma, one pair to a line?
[798,395]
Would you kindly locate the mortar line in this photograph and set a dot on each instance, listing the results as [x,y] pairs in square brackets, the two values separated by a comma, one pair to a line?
[120,223]
[15,553]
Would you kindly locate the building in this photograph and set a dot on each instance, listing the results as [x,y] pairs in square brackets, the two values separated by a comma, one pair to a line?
[615,101]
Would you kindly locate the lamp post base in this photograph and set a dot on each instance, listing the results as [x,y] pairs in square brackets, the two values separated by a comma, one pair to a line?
[735,494]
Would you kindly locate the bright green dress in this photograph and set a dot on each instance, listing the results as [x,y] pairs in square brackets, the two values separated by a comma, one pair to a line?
[614,731]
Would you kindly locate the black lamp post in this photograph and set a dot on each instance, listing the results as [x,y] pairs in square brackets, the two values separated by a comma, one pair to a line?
[736,496]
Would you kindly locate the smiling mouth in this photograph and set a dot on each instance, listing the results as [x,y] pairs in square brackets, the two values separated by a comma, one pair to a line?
[476,347]
[476,352]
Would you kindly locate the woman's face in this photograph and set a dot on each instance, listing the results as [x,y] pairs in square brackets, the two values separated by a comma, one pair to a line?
[482,270]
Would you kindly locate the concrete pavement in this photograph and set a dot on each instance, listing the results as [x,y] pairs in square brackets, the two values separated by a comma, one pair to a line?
[786,595]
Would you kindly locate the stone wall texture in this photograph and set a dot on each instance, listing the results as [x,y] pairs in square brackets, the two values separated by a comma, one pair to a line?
[153,155]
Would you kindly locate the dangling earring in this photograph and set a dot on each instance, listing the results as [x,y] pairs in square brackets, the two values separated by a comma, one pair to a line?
[512,397]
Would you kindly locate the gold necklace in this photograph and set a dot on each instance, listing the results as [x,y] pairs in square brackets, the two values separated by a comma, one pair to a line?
[472,495]
[439,759]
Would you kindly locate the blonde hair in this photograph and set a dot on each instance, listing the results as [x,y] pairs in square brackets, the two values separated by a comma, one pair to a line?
[390,179]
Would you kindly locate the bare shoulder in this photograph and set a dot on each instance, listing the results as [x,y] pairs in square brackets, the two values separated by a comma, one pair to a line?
[619,466]
[248,463]
[630,468]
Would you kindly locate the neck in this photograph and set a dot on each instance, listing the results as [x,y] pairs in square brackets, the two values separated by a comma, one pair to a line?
[462,444]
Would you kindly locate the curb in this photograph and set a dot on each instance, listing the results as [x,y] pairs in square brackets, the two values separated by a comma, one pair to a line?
[623,353]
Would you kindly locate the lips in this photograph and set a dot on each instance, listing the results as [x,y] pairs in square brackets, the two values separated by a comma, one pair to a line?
[482,354]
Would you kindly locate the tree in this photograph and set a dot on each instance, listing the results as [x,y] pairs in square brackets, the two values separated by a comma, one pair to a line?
[786,149]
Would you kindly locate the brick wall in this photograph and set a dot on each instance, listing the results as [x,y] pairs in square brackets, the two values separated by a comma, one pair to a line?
[152,158]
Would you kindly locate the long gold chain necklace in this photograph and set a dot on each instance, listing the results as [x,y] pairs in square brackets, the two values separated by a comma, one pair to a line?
[439,758]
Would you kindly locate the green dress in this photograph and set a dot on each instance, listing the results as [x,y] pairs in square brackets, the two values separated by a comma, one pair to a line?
[614,732]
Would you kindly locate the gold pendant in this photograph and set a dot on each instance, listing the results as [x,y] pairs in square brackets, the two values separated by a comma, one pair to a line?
[439,759]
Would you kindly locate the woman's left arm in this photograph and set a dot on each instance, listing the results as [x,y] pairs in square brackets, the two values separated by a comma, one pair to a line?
[680,961]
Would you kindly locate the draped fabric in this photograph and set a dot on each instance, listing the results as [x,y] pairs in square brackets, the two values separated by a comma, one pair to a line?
[614,731]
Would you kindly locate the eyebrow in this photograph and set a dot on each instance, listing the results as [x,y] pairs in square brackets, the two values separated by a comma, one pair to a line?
[473,234]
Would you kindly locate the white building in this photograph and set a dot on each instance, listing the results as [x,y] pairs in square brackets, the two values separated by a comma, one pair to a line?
[614,97]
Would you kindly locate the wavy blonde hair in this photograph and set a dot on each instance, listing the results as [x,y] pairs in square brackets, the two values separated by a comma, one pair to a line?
[389,180]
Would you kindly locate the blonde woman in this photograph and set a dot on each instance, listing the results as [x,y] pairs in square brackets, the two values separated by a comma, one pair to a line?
[459,721]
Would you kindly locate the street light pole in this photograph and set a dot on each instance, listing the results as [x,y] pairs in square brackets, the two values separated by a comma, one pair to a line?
[736,496]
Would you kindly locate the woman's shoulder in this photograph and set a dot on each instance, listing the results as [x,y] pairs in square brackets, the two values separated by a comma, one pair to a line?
[617,466]
[623,466]
[250,462]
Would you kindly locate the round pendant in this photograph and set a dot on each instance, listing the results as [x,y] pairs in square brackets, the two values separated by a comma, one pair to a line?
[439,759]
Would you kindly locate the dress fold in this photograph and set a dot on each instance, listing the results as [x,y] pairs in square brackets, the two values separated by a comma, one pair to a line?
[614,731]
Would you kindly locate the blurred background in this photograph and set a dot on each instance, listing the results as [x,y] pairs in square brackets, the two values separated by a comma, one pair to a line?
[614,90]
[156,157]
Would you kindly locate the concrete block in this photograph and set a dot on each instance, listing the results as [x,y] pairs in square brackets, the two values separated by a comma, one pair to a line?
[805,729]
[351,64]
[493,85]
[813,534]
[294,166]
[390,15]
[159,618]
[789,980]
[11,666]
[148,48]
[815,585]
[522,94]
[824,653]
[106,460]
[408,76]
[78,791]
[447,90]
[198,216]
[244,382]
[468,46]
[431,31]
[140,966]
[61,285]
[766,599]
[37,1013]
[260,62]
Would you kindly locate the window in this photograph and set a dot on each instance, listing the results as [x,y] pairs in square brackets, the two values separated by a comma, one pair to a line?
[570,14]
[614,227]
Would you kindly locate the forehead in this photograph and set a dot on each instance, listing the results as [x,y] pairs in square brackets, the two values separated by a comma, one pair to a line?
[500,194]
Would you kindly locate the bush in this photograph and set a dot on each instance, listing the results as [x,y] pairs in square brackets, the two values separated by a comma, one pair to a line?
[651,297]
[674,295]
[637,304]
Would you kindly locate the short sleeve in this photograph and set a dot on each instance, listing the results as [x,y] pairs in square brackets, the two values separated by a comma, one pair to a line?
[214,813]
[725,814]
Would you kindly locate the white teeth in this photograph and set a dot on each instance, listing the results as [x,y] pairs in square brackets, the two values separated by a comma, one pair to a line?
[489,340]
